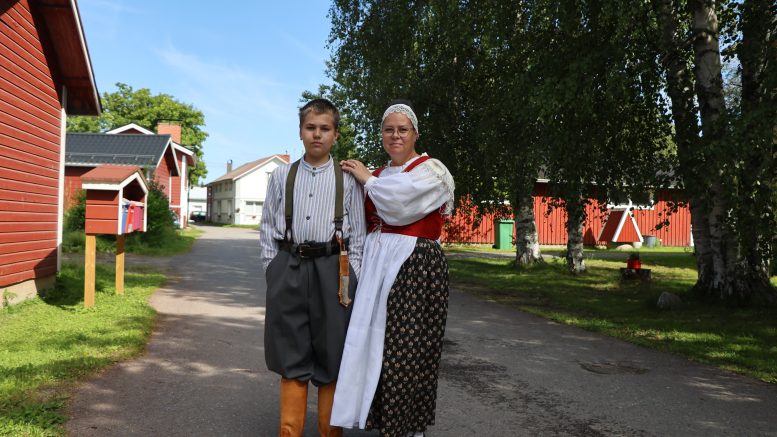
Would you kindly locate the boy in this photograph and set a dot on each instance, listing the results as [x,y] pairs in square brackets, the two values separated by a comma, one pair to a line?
[312,233]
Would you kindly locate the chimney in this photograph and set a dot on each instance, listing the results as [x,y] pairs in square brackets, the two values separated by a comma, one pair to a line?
[229,166]
[168,128]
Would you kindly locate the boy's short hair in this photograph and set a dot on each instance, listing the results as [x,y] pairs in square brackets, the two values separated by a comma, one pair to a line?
[319,106]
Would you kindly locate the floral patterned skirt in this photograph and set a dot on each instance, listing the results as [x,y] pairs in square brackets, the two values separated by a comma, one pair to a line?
[417,308]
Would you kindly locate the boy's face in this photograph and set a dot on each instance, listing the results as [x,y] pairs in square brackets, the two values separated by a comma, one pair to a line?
[318,134]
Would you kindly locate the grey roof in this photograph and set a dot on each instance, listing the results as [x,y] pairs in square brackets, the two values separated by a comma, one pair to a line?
[122,149]
[245,168]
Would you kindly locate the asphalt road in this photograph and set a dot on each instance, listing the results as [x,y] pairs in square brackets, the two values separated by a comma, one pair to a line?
[504,373]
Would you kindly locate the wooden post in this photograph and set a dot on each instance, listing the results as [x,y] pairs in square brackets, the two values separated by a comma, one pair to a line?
[89,270]
[120,264]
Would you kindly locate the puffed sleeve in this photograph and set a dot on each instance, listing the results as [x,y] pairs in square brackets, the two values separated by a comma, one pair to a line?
[404,198]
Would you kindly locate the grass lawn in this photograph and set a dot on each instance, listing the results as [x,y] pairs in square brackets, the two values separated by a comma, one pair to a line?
[175,243]
[47,344]
[743,340]
[556,250]
[229,225]
[243,226]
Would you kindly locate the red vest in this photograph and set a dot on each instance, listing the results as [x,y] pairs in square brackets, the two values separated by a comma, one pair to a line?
[428,227]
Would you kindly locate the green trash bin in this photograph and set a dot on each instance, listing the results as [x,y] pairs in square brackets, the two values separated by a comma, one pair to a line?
[503,234]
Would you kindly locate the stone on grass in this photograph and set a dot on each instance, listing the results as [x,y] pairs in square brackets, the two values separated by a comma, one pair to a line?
[625,247]
[669,301]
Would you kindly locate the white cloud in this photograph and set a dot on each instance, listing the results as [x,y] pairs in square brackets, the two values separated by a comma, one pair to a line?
[225,89]
[249,114]
[314,55]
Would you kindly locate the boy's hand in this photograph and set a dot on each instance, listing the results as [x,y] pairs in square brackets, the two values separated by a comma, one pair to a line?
[356,169]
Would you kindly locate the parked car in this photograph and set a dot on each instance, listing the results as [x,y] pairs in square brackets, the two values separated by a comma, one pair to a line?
[197,216]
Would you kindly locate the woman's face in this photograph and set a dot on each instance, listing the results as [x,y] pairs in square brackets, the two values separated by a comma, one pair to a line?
[399,138]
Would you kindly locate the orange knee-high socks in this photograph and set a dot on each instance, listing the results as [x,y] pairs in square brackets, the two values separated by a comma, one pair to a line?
[294,403]
[326,396]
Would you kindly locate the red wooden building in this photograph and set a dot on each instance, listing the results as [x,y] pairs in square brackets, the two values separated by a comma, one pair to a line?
[164,160]
[599,229]
[45,73]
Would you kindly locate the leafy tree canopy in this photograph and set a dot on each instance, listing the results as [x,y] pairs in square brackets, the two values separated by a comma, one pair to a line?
[127,105]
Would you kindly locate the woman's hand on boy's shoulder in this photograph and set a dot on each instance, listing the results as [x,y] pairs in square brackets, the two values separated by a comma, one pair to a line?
[356,169]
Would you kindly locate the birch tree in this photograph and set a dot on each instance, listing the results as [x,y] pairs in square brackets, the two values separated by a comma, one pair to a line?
[677,59]
[603,130]
[727,163]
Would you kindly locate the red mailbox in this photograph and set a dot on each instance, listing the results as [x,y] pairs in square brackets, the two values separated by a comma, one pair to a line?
[115,205]
[115,200]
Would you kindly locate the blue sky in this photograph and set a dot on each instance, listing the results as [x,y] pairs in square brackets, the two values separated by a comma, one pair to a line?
[243,63]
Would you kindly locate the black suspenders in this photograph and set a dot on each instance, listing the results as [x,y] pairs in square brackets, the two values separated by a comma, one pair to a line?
[289,207]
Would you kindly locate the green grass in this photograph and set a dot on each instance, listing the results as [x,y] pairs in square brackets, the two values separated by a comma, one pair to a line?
[242,226]
[47,344]
[169,244]
[555,250]
[227,225]
[172,244]
[742,340]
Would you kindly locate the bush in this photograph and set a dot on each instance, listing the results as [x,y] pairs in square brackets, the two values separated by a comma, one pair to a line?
[159,218]
[75,217]
[160,228]
[73,241]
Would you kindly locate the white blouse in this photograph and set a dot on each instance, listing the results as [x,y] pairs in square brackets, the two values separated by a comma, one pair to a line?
[403,198]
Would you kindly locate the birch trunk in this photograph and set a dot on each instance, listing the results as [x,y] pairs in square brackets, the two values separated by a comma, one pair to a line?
[702,249]
[527,242]
[712,107]
[575,221]
[680,85]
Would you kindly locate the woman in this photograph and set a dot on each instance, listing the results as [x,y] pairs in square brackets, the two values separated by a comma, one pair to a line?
[388,375]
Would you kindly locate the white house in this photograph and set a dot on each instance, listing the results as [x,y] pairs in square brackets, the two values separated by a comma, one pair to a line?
[238,196]
[198,200]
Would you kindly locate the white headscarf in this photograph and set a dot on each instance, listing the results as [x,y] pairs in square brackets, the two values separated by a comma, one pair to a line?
[402,109]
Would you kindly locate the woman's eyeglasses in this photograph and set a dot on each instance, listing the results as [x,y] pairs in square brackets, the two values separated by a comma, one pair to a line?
[402,131]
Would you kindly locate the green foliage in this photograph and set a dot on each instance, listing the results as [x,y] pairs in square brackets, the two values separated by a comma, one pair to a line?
[168,244]
[47,344]
[75,216]
[158,215]
[127,105]
[596,96]
[161,237]
[507,91]
[73,241]
[753,133]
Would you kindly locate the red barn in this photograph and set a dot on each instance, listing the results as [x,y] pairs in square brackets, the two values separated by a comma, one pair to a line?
[45,74]
[551,222]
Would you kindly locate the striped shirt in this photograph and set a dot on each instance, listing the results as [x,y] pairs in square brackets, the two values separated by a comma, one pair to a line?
[314,211]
